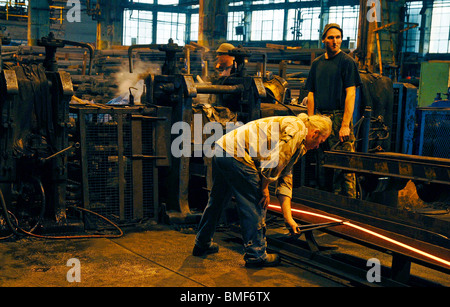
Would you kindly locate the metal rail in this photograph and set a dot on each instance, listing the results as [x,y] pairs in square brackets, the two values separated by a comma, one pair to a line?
[329,265]
[324,265]
[313,206]
[428,169]
[324,262]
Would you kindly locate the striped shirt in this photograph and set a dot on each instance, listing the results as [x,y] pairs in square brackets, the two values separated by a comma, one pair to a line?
[270,145]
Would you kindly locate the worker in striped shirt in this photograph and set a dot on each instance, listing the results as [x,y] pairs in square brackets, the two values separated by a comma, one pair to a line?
[245,161]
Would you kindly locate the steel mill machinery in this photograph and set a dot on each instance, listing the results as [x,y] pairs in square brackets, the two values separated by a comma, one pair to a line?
[119,161]
[384,123]
[239,98]
[34,140]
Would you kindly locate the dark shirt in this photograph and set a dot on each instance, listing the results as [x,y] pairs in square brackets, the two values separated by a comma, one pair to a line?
[328,79]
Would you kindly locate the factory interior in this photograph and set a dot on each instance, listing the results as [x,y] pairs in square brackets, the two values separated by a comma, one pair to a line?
[105,170]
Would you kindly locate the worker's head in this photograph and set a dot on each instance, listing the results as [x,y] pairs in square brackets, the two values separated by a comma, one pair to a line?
[319,129]
[223,58]
[332,38]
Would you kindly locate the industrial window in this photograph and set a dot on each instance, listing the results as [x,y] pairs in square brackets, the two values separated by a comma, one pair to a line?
[167,2]
[440,27]
[137,27]
[411,37]
[19,3]
[194,27]
[15,3]
[234,19]
[347,18]
[294,25]
[303,24]
[171,26]
[13,9]
[267,25]
[267,1]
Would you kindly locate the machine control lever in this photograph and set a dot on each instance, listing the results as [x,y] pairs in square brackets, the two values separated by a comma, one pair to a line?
[75,145]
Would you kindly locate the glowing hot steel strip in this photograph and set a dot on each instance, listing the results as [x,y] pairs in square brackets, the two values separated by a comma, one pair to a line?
[372,233]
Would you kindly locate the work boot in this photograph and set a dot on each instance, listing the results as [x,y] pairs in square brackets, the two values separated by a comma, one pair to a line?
[199,252]
[271,260]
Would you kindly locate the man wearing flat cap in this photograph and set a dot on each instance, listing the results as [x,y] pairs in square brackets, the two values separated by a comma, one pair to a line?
[332,82]
[225,62]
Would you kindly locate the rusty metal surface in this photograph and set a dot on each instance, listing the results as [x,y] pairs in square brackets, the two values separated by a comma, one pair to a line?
[421,252]
[428,169]
[432,229]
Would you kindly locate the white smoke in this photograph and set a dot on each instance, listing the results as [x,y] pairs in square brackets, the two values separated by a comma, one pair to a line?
[134,81]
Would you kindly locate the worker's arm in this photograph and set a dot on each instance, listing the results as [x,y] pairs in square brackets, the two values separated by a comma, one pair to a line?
[344,132]
[285,203]
[310,105]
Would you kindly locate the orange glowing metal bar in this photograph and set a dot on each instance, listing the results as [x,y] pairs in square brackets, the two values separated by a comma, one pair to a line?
[418,251]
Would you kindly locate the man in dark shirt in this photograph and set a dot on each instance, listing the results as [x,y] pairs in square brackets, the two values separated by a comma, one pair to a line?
[332,83]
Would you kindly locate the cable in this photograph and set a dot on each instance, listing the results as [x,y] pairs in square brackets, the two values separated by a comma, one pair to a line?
[6,215]
[80,236]
[44,203]
[12,234]
[16,230]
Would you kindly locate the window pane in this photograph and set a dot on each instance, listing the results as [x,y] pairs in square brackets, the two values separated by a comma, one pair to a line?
[303,24]
[440,27]
[234,19]
[194,27]
[347,18]
[267,25]
[411,37]
[167,2]
[137,27]
[171,26]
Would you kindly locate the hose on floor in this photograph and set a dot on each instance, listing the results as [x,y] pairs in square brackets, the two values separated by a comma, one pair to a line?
[16,230]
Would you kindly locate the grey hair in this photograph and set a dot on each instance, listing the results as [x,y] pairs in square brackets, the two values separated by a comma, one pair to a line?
[320,122]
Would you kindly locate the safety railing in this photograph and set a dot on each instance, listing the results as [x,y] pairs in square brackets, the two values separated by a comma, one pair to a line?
[12,9]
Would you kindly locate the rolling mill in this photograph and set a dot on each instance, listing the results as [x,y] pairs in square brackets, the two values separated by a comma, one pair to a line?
[102,143]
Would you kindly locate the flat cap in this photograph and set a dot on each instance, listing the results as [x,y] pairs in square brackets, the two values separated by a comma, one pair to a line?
[224,48]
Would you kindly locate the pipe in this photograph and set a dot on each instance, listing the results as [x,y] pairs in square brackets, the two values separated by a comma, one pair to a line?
[219,89]
[85,45]
[130,52]
[366,129]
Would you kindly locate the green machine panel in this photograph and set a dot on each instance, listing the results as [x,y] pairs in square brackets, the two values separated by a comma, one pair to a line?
[434,78]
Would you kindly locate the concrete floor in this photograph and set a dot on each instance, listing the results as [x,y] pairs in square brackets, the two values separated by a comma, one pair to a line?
[157,257]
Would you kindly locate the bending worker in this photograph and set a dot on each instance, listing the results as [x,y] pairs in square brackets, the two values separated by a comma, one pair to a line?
[332,83]
[246,160]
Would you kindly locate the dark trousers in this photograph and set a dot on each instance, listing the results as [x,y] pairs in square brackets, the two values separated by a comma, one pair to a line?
[231,177]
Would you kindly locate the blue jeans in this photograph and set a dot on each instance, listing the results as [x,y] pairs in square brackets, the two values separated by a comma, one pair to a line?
[231,177]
